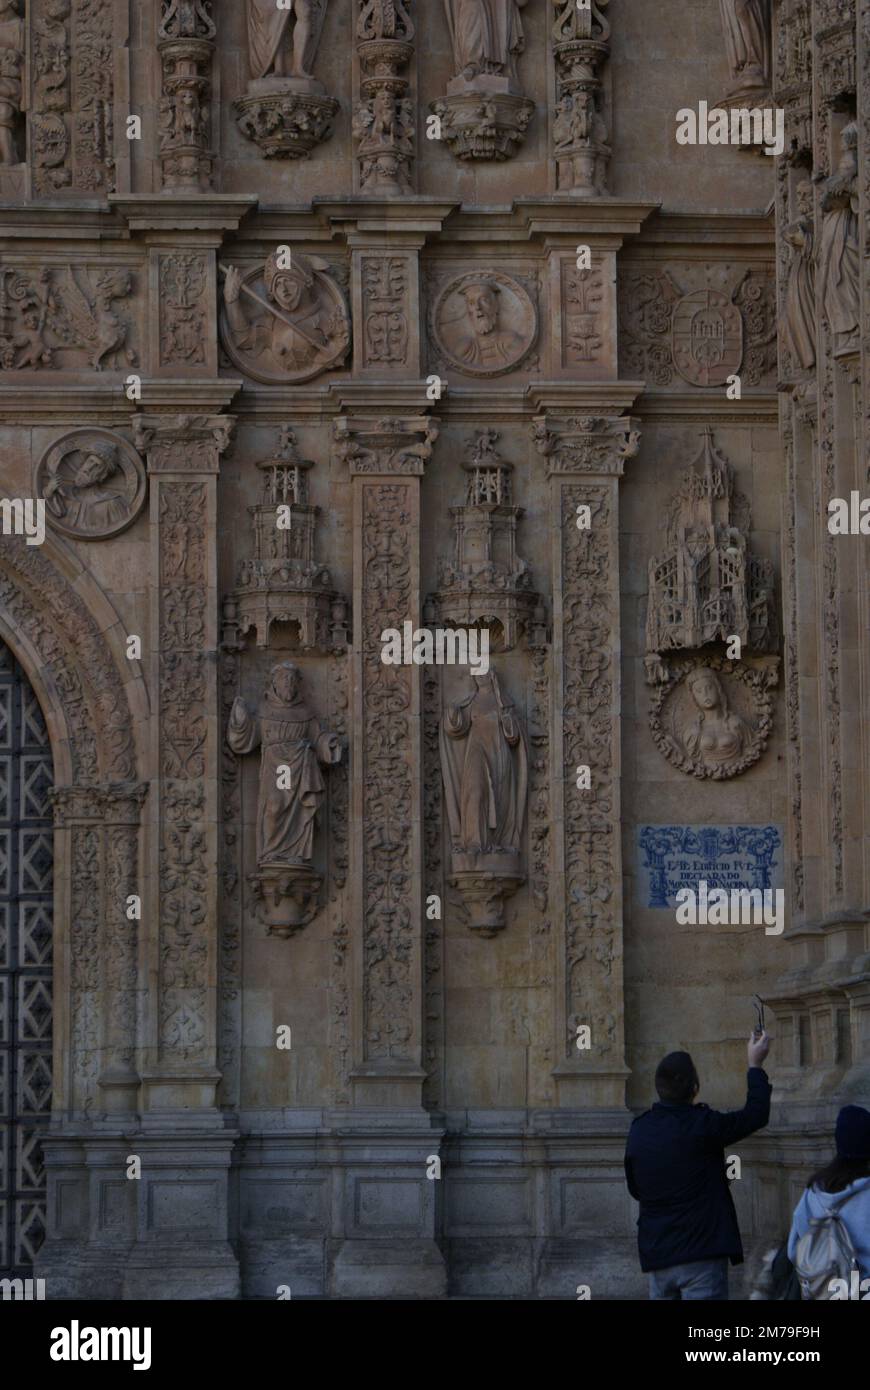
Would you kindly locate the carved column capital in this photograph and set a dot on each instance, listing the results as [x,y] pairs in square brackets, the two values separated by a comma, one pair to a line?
[387,446]
[586,444]
[183,443]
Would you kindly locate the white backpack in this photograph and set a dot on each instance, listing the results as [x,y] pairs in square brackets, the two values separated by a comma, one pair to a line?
[825,1253]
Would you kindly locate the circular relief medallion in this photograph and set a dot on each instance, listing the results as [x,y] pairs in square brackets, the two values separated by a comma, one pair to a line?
[281,324]
[713,718]
[707,338]
[93,483]
[484,323]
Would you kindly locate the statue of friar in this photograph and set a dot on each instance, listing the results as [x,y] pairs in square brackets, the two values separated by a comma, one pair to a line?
[291,783]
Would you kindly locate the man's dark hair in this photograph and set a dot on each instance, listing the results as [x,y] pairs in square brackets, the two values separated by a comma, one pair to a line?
[676,1079]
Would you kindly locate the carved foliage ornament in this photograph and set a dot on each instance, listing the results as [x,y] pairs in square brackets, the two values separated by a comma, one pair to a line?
[93,483]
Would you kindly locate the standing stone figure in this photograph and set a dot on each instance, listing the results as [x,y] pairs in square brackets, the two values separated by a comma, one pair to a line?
[799,328]
[485,766]
[270,52]
[747,40]
[11,65]
[487,36]
[292,739]
[839,256]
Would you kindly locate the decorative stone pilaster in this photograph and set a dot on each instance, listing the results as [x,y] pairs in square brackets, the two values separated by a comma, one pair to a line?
[585,458]
[186,35]
[99,827]
[581,134]
[386,459]
[384,118]
[183,454]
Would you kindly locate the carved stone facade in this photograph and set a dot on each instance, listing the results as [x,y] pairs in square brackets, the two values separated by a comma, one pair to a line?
[413,443]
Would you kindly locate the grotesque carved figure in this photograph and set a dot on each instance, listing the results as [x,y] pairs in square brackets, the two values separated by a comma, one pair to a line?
[839,254]
[799,327]
[293,747]
[269,27]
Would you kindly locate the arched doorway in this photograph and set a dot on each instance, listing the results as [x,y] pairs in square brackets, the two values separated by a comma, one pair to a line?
[26,835]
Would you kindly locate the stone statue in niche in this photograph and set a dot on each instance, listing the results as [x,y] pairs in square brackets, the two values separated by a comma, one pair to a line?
[712,717]
[277,48]
[285,323]
[484,762]
[799,327]
[286,111]
[747,27]
[485,113]
[292,788]
[487,36]
[839,253]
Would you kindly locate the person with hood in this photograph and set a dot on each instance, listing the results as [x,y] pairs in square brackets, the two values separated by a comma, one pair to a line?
[846,1180]
[675,1168]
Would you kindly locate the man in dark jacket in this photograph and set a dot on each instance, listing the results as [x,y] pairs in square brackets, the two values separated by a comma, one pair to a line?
[675,1167]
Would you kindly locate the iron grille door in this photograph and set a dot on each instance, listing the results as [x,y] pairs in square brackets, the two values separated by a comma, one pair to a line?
[26,839]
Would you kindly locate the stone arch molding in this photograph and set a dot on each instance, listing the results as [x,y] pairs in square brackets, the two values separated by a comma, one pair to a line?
[71,644]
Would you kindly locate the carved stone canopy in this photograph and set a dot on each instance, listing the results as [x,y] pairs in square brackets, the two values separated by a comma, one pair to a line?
[707,587]
[486,583]
[283,581]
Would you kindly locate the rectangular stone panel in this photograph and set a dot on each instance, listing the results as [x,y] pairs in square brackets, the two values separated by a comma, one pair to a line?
[592,1206]
[385,1206]
[276,1206]
[176,1203]
[503,1205]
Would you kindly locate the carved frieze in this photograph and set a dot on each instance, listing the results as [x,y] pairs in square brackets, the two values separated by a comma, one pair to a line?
[384,121]
[72,69]
[707,587]
[93,484]
[485,113]
[283,581]
[483,323]
[286,110]
[725,327]
[712,717]
[283,324]
[65,318]
[581,138]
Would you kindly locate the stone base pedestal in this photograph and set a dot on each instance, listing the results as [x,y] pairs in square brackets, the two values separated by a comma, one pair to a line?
[286,118]
[480,126]
[287,896]
[172,1271]
[389,1269]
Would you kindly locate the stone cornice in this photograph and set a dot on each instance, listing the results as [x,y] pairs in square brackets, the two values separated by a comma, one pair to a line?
[183,215]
